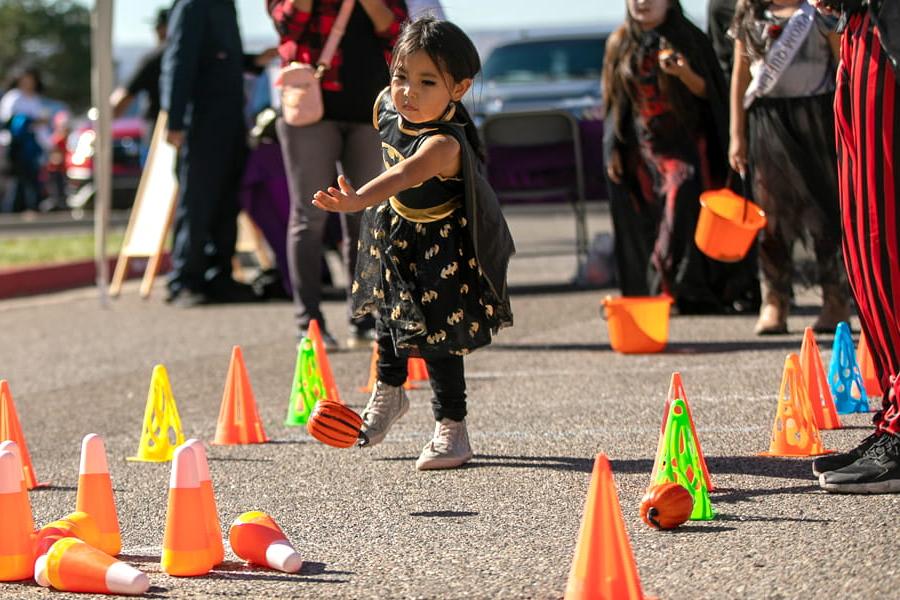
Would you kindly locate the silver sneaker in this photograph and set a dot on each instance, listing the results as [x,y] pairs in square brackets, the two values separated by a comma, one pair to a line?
[386,405]
[448,449]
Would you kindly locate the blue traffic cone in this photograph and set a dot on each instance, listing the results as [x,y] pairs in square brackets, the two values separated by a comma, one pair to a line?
[844,375]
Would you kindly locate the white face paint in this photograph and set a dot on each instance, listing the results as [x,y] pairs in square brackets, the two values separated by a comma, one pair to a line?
[648,14]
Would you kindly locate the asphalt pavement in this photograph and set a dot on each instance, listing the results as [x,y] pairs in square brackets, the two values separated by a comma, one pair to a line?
[545,398]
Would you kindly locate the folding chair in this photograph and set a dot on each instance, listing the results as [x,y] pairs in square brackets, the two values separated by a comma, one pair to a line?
[535,156]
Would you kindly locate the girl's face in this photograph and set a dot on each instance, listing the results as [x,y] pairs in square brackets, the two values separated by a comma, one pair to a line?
[27,83]
[648,14]
[421,92]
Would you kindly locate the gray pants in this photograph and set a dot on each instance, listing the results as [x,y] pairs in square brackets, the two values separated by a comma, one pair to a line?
[310,154]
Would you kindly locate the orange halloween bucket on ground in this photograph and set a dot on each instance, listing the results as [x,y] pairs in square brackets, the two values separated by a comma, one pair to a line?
[638,324]
[727,225]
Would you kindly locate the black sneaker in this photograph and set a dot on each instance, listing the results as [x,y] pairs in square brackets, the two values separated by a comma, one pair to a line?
[833,462]
[877,471]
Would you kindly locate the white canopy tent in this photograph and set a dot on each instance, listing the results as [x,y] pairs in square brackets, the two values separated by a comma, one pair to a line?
[101,88]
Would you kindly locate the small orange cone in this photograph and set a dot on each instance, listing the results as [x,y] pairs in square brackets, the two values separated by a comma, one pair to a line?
[255,537]
[95,493]
[239,422]
[867,367]
[72,565]
[186,550]
[794,432]
[16,560]
[817,389]
[211,513]
[604,567]
[11,446]
[417,371]
[373,372]
[314,333]
[77,524]
[11,429]
[676,390]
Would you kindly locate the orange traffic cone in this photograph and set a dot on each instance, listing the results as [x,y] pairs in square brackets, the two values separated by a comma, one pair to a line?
[817,389]
[11,429]
[417,371]
[373,372]
[186,550]
[72,565]
[239,422]
[95,493]
[16,561]
[77,524]
[604,566]
[11,446]
[867,367]
[794,432]
[255,537]
[676,390]
[314,333]
[210,512]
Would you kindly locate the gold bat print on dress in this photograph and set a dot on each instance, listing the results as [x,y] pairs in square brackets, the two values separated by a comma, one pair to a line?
[438,337]
[395,314]
[429,296]
[449,270]
[402,244]
[455,317]
[474,326]
[464,288]
[432,252]
[445,230]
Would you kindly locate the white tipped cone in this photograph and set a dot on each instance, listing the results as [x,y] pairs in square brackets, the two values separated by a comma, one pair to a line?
[93,456]
[40,571]
[122,578]
[282,557]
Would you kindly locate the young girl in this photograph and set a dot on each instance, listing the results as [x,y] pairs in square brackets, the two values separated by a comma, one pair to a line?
[434,246]
[786,138]
[666,138]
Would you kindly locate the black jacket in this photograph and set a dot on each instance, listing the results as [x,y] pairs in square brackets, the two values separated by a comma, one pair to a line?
[886,14]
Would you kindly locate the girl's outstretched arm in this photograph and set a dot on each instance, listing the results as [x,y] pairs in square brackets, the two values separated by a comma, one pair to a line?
[439,155]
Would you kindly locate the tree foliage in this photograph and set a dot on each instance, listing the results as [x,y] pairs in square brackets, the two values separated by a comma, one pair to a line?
[55,37]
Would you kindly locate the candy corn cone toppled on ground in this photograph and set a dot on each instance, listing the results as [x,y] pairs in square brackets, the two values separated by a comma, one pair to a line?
[210,511]
[16,561]
[72,565]
[256,538]
[95,493]
[186,551]
[77,524]
[11,446]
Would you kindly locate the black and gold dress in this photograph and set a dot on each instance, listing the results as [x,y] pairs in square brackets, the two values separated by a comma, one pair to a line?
[417,266]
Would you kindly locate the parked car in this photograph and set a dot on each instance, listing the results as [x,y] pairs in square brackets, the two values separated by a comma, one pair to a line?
[127,136]
[542,73]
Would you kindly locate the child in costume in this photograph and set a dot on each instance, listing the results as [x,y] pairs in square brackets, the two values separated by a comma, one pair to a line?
[782,137]
[434,246]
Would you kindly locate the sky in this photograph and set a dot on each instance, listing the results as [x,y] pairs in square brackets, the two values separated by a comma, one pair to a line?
[133,17]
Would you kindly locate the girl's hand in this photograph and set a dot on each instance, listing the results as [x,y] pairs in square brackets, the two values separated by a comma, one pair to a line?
[824,8]
[674,63]
[339,200]
[737,154]
[614,168]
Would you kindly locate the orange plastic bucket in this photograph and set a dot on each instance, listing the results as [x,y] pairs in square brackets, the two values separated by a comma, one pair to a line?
[638,324]
[727,225]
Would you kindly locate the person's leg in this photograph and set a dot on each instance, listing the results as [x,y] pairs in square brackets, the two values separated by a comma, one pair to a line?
[362,161]
[449,446]
[869,202]
[309,158]
[777,267]
[225,211]
[388,401]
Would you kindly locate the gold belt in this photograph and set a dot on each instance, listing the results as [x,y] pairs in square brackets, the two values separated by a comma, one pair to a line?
[425,215]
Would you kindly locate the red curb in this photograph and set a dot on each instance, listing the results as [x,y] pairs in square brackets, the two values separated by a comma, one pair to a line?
[42,279]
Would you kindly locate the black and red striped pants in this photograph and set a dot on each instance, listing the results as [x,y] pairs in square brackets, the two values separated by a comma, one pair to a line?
[868,138]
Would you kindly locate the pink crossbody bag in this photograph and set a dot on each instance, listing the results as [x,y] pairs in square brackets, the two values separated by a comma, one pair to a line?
[301,88]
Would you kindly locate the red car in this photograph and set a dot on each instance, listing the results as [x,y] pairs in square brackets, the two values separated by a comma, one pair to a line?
[128,135]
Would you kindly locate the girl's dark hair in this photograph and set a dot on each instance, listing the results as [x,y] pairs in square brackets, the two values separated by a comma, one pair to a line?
[746,13]
[21,72]
[451,50]
[620,71]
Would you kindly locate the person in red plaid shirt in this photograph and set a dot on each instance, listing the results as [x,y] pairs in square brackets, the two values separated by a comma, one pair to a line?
[359,71]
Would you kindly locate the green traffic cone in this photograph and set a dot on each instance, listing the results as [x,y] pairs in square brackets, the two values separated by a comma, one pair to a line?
[680,461]
[308,387]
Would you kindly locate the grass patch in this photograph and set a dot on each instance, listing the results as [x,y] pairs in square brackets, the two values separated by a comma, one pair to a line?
[36,250]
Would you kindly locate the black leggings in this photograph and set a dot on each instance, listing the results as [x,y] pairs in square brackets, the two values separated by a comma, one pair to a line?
[447,375]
